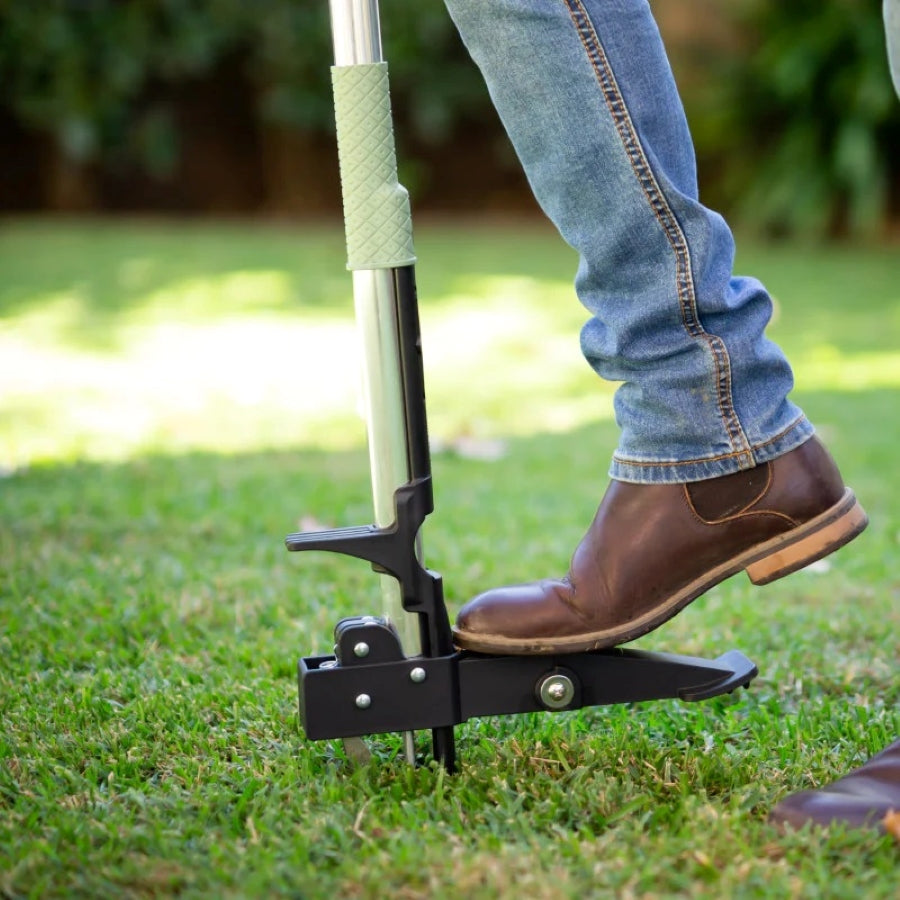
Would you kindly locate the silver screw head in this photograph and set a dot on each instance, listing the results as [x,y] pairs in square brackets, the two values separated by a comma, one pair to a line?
[556,691]
[361,649]
[418,675]
[363,701]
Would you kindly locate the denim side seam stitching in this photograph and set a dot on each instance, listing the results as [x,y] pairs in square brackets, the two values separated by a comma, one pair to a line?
[708,459]
[660,207]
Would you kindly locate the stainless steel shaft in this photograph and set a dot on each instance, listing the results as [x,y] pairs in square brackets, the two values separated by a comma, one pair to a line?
[356,33]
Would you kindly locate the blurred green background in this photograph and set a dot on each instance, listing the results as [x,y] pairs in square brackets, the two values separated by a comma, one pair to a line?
[223,106]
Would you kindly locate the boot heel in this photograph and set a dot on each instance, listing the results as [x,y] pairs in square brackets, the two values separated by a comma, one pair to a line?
[821,536]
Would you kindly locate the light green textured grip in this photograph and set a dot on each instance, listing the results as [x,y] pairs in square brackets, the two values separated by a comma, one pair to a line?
[377,217]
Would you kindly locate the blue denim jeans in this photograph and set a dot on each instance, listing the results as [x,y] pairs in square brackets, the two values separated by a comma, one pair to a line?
[586,94]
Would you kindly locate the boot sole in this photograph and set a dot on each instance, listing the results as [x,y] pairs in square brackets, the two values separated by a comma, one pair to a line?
[763,563]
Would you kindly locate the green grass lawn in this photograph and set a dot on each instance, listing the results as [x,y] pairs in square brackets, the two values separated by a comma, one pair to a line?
[175,398]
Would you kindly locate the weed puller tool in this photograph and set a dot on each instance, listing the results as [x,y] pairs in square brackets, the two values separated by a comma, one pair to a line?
[400,672]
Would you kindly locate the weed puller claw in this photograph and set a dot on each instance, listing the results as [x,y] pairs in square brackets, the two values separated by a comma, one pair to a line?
[400,672]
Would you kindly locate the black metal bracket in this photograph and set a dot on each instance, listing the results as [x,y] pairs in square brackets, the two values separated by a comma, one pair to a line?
[369,687]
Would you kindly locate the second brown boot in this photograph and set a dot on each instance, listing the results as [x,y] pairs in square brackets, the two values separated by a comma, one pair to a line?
[865,797]
[652,549]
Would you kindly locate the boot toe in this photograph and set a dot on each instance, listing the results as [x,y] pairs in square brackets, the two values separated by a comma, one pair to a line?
[499,610]
[826,808]
[862,798]
[515,618]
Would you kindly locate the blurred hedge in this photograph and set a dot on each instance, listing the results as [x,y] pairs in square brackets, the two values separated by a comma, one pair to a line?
[793,114]
[83,70]
[811,124]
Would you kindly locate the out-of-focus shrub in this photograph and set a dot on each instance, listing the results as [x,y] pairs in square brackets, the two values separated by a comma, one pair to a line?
[808,121]
[84,71]
[796,125]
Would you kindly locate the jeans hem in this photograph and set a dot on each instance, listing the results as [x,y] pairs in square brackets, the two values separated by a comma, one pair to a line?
[700,469]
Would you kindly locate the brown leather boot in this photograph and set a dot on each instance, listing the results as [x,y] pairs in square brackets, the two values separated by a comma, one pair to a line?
[652,549]
[865,797]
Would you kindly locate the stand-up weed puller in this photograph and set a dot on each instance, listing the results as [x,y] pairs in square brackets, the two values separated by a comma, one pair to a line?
[399,672]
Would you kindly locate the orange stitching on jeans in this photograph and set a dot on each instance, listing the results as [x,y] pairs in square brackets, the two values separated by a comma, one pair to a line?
[684,280]
[637,463]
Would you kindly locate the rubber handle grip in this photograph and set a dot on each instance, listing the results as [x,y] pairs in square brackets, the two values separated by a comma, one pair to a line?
[377,219]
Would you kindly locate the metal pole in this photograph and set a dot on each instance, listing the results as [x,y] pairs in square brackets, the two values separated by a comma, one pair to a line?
[357,41]
[356,32]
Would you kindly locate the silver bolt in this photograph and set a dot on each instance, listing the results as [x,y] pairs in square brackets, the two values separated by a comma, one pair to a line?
[329,664]
[361,649]
[418,675]
[363,701]
[556,691]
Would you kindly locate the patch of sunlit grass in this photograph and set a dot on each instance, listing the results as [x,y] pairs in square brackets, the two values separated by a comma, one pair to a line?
[206,363]
[828,368]
[144,338]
